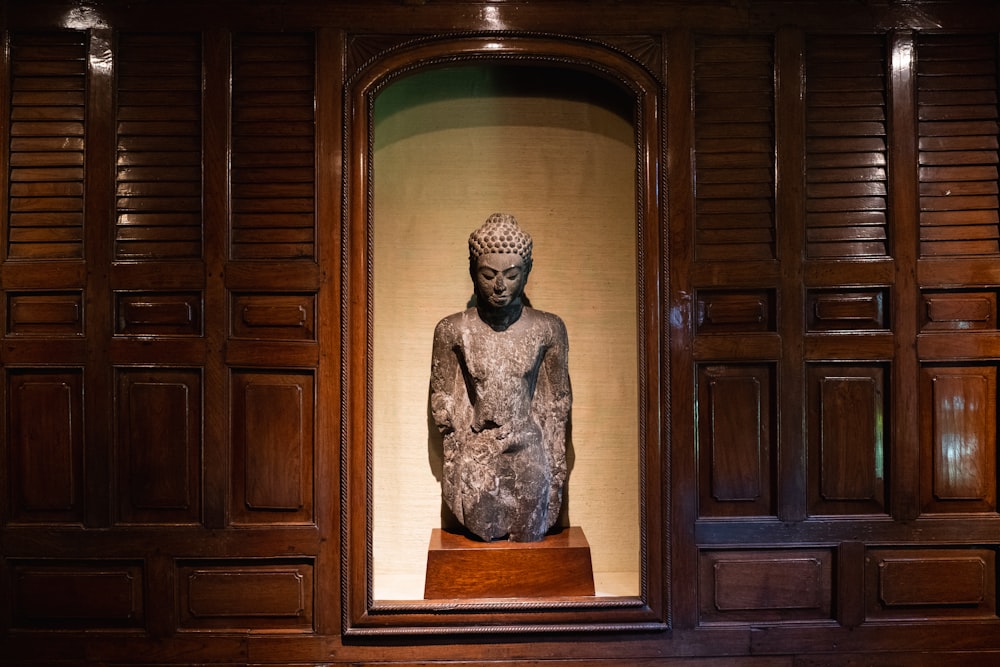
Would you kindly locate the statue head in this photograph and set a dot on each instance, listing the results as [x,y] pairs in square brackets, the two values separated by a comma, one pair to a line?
[500,235]
[499,263]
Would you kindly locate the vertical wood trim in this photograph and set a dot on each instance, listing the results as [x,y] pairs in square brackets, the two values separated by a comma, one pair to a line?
[903,228]
[5,482]
[216,146]
[5,93]
[679,133]
[330,64]
[850,588]
[99,191]
[789,121]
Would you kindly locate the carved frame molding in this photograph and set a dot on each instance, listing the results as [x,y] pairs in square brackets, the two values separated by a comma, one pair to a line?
[361,615]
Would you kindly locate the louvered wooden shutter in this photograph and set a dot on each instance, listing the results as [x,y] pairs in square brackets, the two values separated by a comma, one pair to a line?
[46,146]
[159,147]
[846,147]
[734,143]
[273,183]
[957,106]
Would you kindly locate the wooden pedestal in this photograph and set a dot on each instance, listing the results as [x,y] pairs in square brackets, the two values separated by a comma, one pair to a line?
[557,566]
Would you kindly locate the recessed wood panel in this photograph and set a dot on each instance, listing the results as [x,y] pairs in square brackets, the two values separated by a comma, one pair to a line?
[735,431]
[273,439]
[765,585]
[44,314]
[735,311]
[260,595]
[922,583]
[848,310]
[158,445]
[959,311]
[847,439]
[158,314]
[77,595]
[45,440]
[958,424]
[274,316]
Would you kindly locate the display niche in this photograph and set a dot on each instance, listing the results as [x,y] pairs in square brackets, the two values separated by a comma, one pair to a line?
[561,133]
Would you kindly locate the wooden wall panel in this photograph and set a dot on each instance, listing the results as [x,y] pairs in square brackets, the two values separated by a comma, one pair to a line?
[158,314]
[765,585]
[847,439]
[45,445]
[158,445]
[45,313]
[46,149]
[958,429]
[959,311]
[846,310]
[931,583]
[241,595]
[274,316]
[77,594]
[735,439]
[272,447]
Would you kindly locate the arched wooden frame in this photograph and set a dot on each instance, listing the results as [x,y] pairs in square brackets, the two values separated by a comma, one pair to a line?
[363,616]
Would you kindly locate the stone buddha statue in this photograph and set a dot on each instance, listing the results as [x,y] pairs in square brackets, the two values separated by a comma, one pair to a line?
[500,395]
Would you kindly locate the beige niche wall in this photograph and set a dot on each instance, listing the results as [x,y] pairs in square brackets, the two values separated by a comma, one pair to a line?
[555,148]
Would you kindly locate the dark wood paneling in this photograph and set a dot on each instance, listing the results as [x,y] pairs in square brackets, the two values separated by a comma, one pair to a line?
[158,314]
[958,425]
[847,439]
[744,586]
[44,314]
[159,445]
[240,595]
[171,346]
[45,445]
[76,595]
[929,583]
[843,310]
[273,438]
[735,439]
[274,316]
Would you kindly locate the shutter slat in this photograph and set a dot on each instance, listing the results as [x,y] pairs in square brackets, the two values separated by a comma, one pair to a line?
[846,181]
[958,128]
[273,177]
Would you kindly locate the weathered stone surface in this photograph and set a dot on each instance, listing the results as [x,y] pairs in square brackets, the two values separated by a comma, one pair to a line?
[500,395]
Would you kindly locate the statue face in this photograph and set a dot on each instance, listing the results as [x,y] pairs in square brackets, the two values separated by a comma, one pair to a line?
[499,279]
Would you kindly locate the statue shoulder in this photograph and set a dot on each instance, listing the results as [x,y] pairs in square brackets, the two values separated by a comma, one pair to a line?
[550,320]
[450,325]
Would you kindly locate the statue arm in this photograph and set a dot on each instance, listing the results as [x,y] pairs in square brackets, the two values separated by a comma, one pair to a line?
[444,377]
[555,369]
[556,399]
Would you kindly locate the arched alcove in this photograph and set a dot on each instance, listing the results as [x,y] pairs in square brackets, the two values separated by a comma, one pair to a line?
[560,133]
